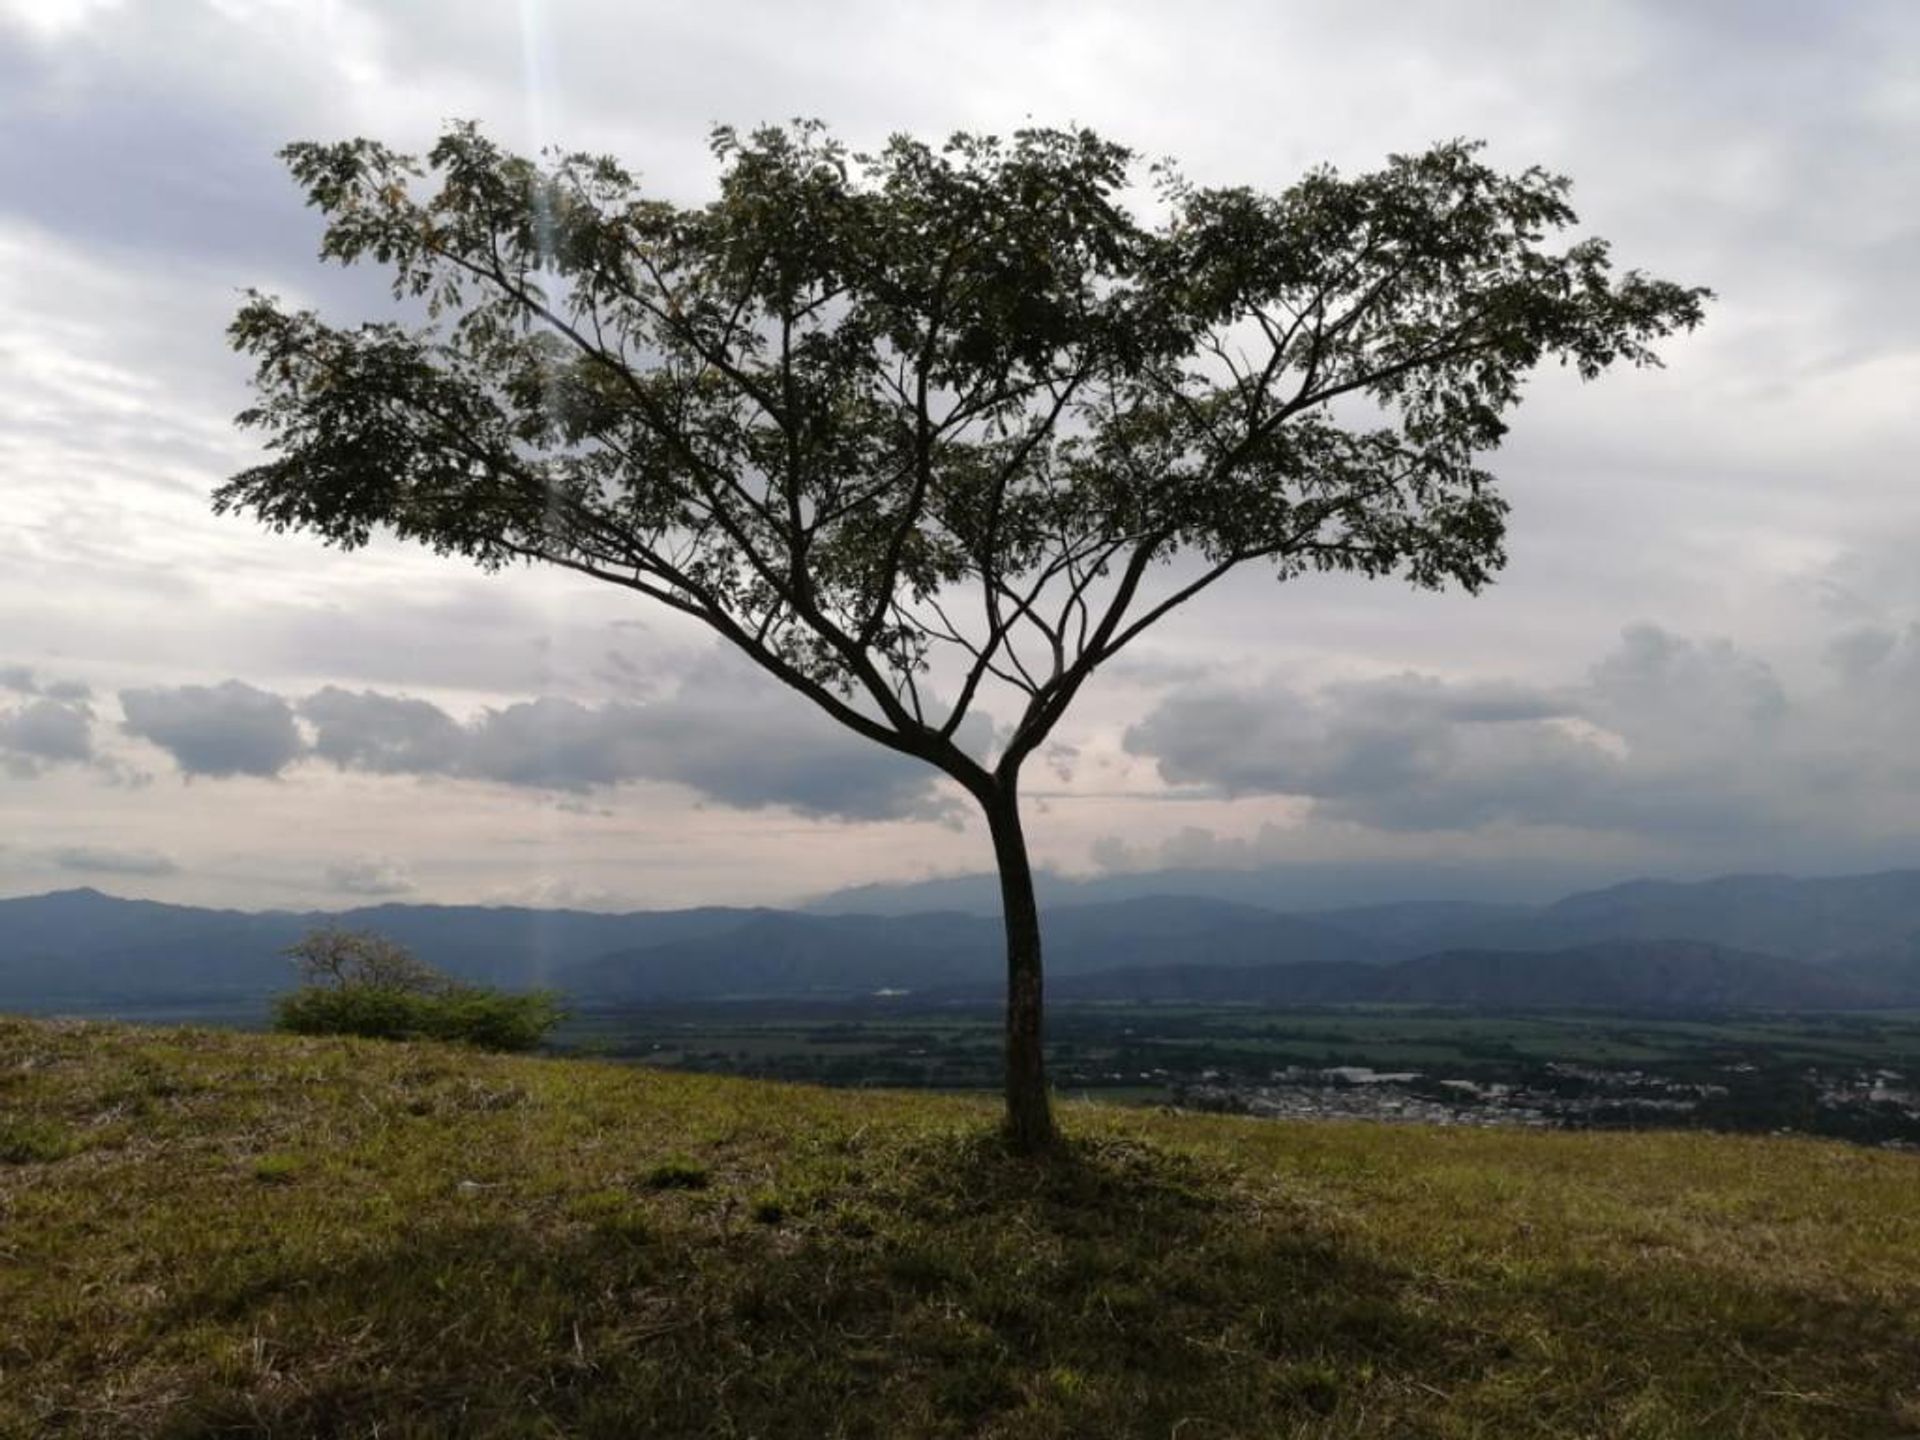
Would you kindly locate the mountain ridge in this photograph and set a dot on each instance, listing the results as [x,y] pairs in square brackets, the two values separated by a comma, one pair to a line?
[84,948]
[1672,976]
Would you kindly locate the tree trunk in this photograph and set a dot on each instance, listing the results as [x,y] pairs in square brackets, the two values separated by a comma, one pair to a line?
[1029,1111]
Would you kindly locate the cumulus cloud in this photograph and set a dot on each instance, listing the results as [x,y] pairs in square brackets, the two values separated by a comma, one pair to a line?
[52,724]
[216,730]
[550,892]
[106,860]
[374,876]
[1666,736]
[724,733]
[384,734]
[732,742]
[1656,678]
[1408,751]
[48,730]
[1856,653]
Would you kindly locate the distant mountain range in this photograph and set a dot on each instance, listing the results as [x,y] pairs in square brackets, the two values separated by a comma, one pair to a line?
[1295,887]
[1740,942]
[1626,975]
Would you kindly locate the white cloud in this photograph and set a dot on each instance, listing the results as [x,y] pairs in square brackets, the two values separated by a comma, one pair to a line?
[216,730]
[107,860]
[47,731]
[374,876]
[1666,739]
[718,734]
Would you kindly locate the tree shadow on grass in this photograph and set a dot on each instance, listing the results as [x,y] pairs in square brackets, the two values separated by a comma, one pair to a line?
[939,1288]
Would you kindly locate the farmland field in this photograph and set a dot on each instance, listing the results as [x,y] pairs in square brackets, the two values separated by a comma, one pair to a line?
[1827,1073]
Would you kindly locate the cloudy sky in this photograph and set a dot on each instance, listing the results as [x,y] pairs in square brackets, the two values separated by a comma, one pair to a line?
[1705,654]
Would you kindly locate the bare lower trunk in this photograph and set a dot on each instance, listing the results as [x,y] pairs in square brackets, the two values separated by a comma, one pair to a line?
[1029,1112]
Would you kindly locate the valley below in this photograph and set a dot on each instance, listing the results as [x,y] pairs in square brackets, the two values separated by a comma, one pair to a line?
[1852,1076]
[1755,1004]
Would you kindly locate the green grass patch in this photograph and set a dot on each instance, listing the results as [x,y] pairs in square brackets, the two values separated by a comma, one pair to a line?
[277,1169]
[491,1255]
[27,1141]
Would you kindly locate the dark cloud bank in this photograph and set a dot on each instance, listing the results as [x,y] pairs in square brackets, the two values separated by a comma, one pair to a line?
[1665,737]
[719,736]
[49,723]
[217,730]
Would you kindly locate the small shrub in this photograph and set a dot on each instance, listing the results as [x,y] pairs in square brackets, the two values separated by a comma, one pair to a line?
[613,1214]
[330,955]
[33,1142]
[494,1019]
[465,1014]
[769,1208]
[1067,1381]
[367,1010]
[1314,1384]
[277,1169]
[677,1174]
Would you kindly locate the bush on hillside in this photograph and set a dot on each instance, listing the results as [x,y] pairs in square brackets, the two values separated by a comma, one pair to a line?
[363,984]
[495,1019]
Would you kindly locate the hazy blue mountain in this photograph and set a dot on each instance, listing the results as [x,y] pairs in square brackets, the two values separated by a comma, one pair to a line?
[1308,983]
[1820,920]
[80,947]
[520,948]
[1652,976]
[1814,919]
[793,954]
[82,950]
[1892,969]
[1414,927]
[1168,930]
[85,921]
[783,954]
[1304,887]
[1817,919]
[1680,975]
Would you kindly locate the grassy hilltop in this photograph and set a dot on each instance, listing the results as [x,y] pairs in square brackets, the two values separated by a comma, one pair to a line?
[209,1233]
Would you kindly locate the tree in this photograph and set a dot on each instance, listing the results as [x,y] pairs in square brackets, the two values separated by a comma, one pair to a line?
[938,423]
[331,956]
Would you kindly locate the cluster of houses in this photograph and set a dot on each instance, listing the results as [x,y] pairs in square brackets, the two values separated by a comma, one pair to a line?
[1557,1096]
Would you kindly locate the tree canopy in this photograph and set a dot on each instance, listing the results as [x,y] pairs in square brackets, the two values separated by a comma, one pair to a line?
[935,422]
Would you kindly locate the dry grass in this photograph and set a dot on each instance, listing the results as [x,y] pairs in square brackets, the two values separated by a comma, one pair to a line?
[217,1234]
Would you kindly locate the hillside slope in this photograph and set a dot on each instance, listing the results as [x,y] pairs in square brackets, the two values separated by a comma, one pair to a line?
[208,1233]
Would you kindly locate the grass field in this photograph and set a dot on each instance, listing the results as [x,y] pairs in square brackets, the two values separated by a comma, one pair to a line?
[216,1233]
